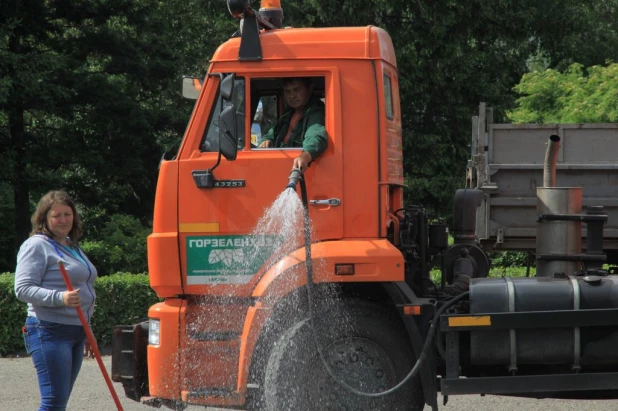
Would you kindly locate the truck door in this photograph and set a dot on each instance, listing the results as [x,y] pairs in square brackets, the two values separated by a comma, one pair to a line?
[215,223]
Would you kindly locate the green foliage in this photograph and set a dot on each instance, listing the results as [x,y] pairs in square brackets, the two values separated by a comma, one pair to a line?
[510,259]
[453,55]
[89,93]
[577,95]
[89,98]
[495,272]
[13,314]
[7,246]
[511,272]
[121,299]
[122,246]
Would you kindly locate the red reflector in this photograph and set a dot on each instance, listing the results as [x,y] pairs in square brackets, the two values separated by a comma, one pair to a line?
[344,269]
[412,310]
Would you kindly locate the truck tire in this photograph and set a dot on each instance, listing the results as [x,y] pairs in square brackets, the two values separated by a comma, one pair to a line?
[364,344]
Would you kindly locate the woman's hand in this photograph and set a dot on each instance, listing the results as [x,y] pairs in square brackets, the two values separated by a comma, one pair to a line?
[71,298]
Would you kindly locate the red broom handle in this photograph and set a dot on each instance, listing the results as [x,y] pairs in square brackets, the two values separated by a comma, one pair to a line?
[91,340]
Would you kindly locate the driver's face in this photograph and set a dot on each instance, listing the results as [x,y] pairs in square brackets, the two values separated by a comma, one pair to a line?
[297,94]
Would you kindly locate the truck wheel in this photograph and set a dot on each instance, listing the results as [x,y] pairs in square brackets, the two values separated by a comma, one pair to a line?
[364,344]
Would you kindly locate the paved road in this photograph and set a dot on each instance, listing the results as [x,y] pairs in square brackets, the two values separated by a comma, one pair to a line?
[19,392]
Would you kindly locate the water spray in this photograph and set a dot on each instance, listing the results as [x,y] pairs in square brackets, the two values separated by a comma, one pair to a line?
[295,177]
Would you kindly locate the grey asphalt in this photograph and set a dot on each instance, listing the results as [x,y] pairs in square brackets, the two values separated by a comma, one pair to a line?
[19,392]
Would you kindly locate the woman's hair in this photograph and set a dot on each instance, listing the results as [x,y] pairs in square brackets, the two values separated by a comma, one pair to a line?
[39,218]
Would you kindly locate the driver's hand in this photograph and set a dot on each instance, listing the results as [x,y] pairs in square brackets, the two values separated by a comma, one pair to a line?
[302,161]
[266,144]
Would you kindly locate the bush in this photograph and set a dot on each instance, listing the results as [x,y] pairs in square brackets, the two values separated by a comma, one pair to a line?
[510,259]
[122,247]
[121,299]
[13,314]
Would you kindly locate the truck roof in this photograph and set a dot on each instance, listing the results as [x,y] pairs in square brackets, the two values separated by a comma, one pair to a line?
[368,42]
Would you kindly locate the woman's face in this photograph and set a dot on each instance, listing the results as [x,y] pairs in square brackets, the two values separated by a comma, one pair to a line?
[60,220]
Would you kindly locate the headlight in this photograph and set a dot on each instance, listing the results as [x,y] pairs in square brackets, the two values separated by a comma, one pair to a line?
[154,332]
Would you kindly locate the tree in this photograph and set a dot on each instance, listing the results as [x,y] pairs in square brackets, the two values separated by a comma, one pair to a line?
[89,97]
[453,55]
[55,57]
[577,95]
[89,89]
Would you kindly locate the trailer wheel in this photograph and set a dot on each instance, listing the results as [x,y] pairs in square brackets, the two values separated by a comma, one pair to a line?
[364,344]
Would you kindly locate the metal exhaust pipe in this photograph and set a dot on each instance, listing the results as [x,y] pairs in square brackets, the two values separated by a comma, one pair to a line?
[551,157]
[558,240]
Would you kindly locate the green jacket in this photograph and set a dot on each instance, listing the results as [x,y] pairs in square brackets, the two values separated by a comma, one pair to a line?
[309,132]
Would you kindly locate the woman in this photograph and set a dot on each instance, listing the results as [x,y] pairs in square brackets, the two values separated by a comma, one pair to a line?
[53,334]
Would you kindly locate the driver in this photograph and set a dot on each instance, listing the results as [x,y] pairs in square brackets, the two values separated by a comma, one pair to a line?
[302,125]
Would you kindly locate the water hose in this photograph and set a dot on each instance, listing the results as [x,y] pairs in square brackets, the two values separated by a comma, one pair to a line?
[298,178]
[91,340]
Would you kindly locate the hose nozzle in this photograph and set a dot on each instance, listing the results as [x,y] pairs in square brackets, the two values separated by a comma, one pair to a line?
[295,175]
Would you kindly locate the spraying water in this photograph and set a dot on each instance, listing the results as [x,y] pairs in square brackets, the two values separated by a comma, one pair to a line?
[350,361]
[283,220]
[369,371]
[277,233]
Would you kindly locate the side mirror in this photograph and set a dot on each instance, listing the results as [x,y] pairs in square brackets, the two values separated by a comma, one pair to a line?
[191,87]
[228,135]
[226,88]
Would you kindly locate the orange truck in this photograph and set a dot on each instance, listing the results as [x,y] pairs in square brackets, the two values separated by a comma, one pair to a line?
[348,317]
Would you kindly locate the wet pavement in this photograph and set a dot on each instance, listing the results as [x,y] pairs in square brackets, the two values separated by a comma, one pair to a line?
[19,392]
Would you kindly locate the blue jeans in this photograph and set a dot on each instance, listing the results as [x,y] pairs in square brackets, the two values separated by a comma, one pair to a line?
[57,351]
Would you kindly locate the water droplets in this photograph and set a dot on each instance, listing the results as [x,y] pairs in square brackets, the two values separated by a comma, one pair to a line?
[284,219]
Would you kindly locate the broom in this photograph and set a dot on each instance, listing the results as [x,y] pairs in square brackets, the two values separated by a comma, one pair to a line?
[91,340]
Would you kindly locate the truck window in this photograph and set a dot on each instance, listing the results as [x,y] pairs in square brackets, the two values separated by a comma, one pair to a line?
[268,104]
[265,117]
[388,97]
[210,140]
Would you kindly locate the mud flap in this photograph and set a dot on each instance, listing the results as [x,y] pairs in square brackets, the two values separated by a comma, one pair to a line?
[401,293]
[428,367]
[129,362]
